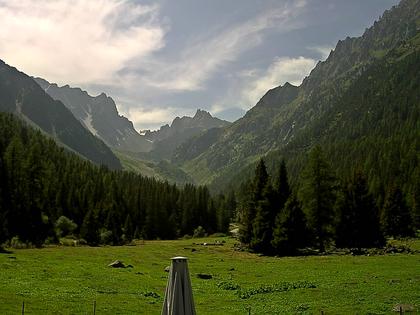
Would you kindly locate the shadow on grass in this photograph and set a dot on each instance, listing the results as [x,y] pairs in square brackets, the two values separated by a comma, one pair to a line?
[5,251]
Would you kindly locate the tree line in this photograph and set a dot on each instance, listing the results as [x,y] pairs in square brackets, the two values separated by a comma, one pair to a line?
[322,210]
[47,192]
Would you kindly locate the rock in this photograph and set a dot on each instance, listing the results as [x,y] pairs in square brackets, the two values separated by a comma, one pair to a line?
[204,276]
[403,308]
[167,268]
[193,250]
[117,264]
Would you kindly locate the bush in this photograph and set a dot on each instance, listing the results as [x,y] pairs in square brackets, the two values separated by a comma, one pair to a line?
[64,226]
[16,243]
[199,232]
[106,237]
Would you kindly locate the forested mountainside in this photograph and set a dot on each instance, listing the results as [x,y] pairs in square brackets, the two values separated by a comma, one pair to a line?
[99,115]
[361,105]
[41,182]
[21,95]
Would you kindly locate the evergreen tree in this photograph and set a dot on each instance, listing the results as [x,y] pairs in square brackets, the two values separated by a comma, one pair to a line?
[246,212]
[317,194]
[252,195]
[358,225]
[262,225]
[128,229]
[396,218]
[90,228]
[281,187]
[290,232]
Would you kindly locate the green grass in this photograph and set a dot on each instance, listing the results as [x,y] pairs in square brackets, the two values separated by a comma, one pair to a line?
[66,280]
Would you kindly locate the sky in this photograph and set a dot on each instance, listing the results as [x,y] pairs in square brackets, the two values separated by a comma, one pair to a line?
[167,58]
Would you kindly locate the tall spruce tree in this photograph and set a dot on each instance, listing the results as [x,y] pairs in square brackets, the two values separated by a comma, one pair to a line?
[317,194]
[396,218]
[253,193]
[358,218]
[281,187]
[90,228]
[262,225]
[290,231]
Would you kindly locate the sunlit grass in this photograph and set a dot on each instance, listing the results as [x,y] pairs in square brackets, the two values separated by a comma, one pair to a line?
[67,280]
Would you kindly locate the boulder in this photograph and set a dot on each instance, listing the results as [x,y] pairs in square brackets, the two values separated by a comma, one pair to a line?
[117,264]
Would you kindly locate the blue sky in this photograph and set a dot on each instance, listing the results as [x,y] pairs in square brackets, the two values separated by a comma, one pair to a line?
[161,59]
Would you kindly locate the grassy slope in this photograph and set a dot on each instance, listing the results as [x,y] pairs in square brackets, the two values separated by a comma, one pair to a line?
[66,280]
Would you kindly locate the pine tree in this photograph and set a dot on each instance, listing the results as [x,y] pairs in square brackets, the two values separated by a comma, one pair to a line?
[290,231]
[262,225]
[396,218]
[246,212]
[358,225]
[128,229]
[281,187]
[252,195]
[90,228]
[317,194]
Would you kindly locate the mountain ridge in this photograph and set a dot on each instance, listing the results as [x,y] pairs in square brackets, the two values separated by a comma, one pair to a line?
[99,115]
[21,95]
[274,123]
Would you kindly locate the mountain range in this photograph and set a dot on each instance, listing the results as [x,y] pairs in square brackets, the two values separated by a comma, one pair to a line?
[361,105]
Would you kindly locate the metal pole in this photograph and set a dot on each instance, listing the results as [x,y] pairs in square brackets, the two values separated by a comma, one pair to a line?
[94,307]
[23,307]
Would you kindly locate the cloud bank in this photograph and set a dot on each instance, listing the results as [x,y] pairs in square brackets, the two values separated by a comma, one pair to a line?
[77,42]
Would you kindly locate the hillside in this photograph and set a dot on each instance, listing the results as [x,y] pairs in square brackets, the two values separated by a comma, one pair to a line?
[169,137]
[99,115]
[21,95]
[364,95]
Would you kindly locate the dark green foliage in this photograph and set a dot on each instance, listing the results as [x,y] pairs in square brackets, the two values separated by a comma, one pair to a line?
[290,232]
[64,226]
[318,197]
[128,229]
[252,196]
[41,182]
[358,225]
[281,187]
[262,225]
[396,217]
[246,212]
[90,228]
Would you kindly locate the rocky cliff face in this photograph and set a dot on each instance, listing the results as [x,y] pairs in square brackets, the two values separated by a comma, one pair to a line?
[21,95]
[99,115]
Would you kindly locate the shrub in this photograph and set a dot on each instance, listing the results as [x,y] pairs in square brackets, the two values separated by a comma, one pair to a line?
[64,226]
[199,232]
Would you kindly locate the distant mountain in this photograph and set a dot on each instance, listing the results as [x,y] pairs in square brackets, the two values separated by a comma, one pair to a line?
[357,103]
[99,115]
[21,95]
[168,138]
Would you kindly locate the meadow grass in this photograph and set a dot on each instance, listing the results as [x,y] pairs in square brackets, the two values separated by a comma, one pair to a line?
[67,280]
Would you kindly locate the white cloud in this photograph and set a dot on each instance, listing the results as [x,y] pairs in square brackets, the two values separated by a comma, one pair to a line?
[202,58]
[77,42]
[282,70]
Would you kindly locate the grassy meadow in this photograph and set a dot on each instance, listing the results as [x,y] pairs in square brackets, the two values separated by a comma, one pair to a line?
[67,280]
